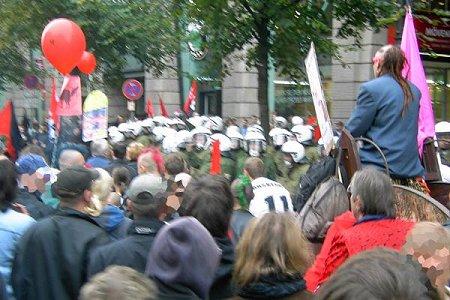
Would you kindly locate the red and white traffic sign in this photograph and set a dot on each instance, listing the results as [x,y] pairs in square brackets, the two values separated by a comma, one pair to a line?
[132,89]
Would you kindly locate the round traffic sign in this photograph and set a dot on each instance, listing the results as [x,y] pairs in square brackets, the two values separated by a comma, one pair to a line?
[132,89]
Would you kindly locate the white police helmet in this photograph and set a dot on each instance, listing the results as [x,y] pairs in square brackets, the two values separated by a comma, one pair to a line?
[200,137]
[236,138]
[225,142]
[279,136]
[255,143]
[147,125]
[295,149]
[216,124]
[296,120]
[303,133]
[281,122]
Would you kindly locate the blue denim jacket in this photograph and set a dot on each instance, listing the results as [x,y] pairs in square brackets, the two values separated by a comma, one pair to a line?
[12,226]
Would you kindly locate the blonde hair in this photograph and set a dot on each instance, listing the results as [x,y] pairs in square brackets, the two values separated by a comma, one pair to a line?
[118,282]
[134,149]
[101,189]
[271,244]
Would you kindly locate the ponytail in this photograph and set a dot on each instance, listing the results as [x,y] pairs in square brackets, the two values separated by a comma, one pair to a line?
[393,61]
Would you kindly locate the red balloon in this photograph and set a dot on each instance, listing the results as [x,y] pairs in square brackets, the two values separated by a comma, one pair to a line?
[63,43]
[87,63]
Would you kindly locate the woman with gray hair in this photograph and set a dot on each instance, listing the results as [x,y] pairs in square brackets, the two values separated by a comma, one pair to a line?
[372,204]
[109,217]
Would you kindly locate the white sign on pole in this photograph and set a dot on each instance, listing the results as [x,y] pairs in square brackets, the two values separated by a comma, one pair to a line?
[131,105]
[320,105]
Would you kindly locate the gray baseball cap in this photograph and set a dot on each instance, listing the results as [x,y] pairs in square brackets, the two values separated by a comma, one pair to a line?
[147,183]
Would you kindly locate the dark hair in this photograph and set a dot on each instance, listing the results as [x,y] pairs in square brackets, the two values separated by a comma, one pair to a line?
[376,274]
[150,210]
[121,177]
[33,149]
[8,184]
[120,150]
[392,62]
[254,167]
[209,200]
[374,188]
[174,164]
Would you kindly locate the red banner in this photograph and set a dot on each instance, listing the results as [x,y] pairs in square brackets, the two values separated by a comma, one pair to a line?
[433,37]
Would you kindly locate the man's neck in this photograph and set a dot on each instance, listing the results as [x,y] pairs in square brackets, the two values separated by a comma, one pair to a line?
[78,207]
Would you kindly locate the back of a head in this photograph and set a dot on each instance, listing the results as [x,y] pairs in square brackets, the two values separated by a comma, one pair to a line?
[272,244]
[100,148]
[174,164]
[376,274]
[184,254]
[121,177]
[119,150]
[146,163]
[429,244]
[209,200]
[375,191]
[101,189]
[134,149]
[8,183]
[393,60]
[121,283]
[70,158]
[254,167]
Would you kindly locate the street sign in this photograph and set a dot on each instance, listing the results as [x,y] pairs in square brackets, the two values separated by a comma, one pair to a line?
[131,106]
[320,105]
[132,89]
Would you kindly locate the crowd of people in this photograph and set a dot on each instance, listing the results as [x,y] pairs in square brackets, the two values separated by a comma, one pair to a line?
[140,216]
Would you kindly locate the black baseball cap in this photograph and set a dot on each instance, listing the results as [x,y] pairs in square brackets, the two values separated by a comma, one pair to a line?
[74,181]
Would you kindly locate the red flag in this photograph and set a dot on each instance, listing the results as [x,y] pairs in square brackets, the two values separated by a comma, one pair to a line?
[162,108]
[149,108]
[189,105]
[54,106]
[215,159]
[10,130]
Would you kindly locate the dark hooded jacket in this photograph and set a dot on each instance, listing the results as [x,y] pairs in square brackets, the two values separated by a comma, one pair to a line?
[276,286]
[222,287]
[114,221]
[35,207]
[132,251]
[51,258]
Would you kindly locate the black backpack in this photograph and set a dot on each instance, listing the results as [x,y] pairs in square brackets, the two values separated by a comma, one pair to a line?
[317,173]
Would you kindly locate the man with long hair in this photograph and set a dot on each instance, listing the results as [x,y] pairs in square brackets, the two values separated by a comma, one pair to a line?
[387,112]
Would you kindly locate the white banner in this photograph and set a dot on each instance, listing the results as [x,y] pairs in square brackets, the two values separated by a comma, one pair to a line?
[320,105]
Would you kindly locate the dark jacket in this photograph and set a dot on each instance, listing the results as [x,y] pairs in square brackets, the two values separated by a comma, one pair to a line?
[114,221]
[131,251]
[174,292]
[117,163]
[222,287]
[239,221]
[276,286]
[51,258]
[378,117]
[36,208]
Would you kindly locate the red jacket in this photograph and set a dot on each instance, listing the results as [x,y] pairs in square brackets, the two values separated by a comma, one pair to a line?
[390,233]
[340,223]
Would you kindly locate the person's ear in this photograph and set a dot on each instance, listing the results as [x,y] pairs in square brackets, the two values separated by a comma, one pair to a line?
[87,194]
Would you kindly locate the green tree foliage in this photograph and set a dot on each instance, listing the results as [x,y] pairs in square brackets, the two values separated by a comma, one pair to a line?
[281,31]
[113,30]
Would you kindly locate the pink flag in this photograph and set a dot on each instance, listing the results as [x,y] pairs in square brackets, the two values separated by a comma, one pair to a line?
[70,98]
[414,72]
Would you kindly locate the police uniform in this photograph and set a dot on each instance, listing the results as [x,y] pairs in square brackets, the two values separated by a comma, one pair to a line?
[291,176]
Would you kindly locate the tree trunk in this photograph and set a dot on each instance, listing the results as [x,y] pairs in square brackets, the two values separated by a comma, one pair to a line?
[262,53]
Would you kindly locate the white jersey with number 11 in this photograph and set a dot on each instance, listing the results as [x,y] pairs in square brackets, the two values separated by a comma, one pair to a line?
[270,196]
